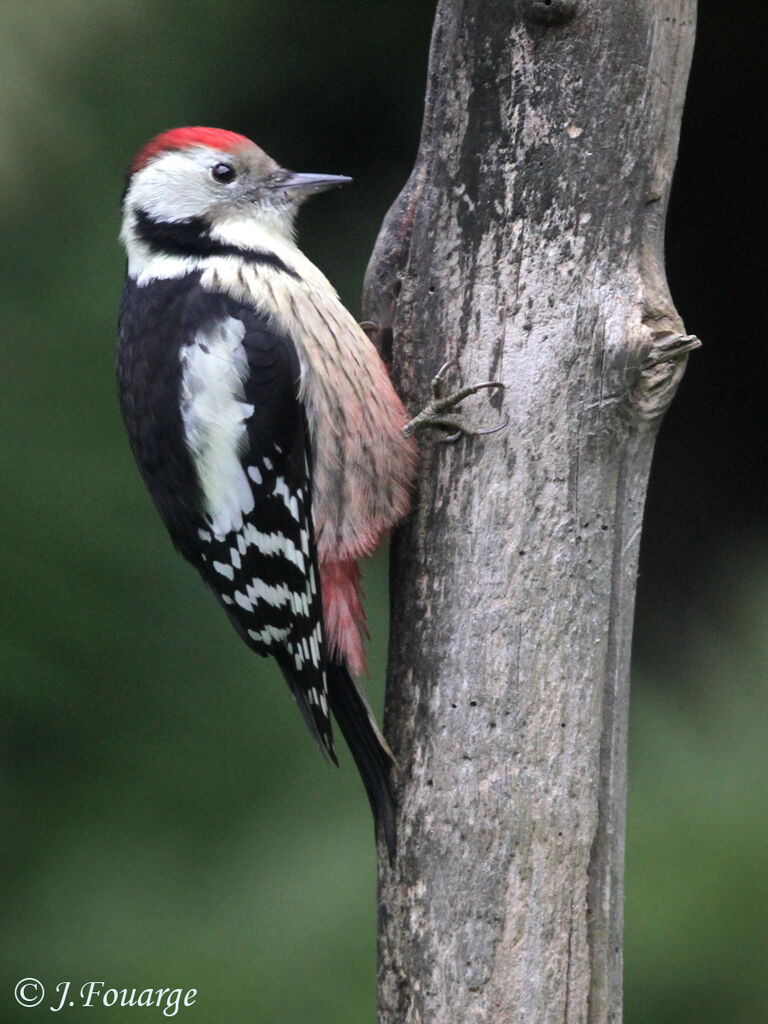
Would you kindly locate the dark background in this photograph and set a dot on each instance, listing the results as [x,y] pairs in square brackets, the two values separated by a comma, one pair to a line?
[167,820]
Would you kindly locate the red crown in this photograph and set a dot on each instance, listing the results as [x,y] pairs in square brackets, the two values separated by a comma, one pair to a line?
[183,138]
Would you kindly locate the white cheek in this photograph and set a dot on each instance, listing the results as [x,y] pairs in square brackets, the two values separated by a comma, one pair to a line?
[174,187]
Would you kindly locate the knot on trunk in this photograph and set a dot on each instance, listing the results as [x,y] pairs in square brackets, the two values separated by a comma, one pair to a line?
[661,371]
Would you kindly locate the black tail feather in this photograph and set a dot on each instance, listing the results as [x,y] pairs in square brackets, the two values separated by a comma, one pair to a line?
[368,747]
[317,719]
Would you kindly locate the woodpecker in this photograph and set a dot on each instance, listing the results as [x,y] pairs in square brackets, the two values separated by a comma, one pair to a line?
[262,418]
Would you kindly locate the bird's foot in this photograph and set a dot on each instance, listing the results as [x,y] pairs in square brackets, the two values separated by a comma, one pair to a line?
[442,411]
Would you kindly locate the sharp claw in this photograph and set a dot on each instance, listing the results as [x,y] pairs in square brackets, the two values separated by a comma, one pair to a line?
[493,430]
[439,379]
[451,438]
[468,430]
[445,367]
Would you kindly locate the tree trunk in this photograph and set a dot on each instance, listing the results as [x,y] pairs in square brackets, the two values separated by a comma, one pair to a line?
[527,244]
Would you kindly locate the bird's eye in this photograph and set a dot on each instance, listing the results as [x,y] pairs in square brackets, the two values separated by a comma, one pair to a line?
[223,173]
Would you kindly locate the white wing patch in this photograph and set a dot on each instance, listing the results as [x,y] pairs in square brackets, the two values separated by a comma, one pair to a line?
[213,371]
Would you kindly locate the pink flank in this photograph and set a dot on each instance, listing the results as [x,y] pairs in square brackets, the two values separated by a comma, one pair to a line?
[343,613]
[183,138]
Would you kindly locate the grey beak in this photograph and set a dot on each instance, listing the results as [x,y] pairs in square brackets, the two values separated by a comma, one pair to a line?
[307,184]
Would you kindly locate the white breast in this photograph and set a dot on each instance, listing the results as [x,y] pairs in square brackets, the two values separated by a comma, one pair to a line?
[214,369]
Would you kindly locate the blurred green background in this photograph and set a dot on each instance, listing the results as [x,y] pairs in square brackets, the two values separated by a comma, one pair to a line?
[166,821]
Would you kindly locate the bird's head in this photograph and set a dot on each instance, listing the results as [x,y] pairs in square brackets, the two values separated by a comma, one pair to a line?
[195,191]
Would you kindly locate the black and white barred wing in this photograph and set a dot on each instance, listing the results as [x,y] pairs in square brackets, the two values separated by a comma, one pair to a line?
[246,431]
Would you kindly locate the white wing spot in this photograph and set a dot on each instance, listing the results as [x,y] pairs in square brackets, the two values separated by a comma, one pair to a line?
[234,555]
[273,544]
[254,474]
[289,500]
[268,634]
[225,570]
[276,596]
[267,462]
[314,650]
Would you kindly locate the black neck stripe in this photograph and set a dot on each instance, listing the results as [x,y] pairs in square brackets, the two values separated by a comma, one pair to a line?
[191,237]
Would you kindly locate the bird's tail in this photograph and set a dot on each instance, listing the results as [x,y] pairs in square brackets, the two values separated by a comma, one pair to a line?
[370,750]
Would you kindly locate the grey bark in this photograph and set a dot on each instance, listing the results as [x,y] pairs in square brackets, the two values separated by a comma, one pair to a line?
[528,244]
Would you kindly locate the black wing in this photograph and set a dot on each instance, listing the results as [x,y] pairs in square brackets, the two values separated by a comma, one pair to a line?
[265,570]
[188,359]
